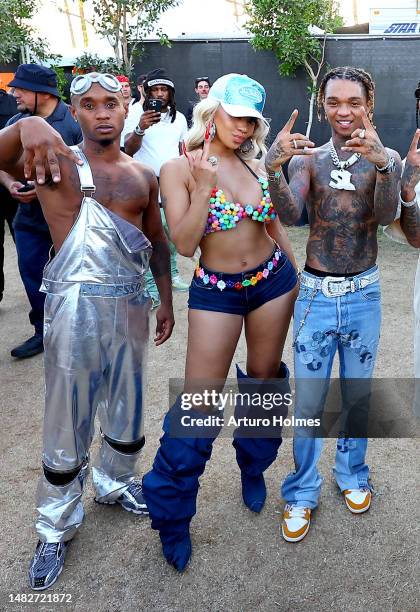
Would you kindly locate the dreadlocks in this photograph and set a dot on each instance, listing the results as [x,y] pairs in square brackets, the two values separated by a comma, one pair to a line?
[417,96]
[171,102]
[348,73]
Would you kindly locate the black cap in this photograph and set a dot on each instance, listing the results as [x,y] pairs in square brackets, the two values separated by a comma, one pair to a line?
[35,78]
[157,77]
[202,78]
[417,92]
[141,79]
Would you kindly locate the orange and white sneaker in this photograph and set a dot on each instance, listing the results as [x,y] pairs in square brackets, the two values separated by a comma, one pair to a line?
[358,500]
[296,522]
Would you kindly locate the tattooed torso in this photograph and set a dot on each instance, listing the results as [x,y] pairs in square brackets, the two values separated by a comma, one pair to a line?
[123,187]
[342,224]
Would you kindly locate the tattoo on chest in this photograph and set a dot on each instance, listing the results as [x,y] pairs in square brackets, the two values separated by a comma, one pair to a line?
[343,229]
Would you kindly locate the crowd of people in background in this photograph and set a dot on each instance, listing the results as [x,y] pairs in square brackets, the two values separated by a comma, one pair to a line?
[97,238]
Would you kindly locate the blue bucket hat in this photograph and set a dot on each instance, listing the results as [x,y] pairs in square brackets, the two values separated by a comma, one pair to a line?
[239,95]
[35,78]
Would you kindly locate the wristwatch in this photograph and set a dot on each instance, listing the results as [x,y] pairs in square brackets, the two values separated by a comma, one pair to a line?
[139,131]
[388,168]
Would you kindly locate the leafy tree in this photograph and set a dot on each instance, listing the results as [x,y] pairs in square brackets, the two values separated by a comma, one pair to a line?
[90,62]
[126,23]
[16,32]
[284,27]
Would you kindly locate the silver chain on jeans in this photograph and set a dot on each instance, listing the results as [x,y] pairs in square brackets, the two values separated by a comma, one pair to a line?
[305,315]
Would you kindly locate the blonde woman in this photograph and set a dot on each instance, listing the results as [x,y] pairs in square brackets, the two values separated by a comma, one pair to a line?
[216,197]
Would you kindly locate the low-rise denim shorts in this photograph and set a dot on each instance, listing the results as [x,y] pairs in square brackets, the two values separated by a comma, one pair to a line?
[222,292]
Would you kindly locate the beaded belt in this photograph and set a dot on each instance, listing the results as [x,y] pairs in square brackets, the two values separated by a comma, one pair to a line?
[217,281]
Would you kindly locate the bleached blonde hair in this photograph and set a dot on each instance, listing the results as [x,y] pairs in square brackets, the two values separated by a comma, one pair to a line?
[204,112]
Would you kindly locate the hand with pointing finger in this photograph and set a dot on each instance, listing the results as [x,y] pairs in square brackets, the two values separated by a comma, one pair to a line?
[286,145]
[366,142]
[411,174]
[41,145]
[203,171]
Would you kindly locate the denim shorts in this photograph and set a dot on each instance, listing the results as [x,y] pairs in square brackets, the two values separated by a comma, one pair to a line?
[207,296]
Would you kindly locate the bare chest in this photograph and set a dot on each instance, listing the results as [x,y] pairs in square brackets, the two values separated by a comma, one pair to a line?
[343,195]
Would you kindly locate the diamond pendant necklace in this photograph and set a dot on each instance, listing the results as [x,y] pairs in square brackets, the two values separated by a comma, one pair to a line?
[341,178]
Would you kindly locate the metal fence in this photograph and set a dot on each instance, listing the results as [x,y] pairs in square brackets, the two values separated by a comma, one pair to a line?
[393,62]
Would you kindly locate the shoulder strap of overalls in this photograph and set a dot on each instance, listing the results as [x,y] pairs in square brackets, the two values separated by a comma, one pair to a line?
[87,186]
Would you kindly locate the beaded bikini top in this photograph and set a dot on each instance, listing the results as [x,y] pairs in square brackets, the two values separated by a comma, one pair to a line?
[225,215]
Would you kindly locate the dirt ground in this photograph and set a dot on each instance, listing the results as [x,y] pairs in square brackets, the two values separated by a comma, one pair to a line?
[240,562]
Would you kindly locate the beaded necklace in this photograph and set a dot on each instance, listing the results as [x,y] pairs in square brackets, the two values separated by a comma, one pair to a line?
[223,215]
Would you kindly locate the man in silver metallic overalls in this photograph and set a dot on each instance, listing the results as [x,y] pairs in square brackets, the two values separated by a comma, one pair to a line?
[96,312]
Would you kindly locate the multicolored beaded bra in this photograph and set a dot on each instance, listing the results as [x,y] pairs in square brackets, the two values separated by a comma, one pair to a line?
[213,280]
[225,215]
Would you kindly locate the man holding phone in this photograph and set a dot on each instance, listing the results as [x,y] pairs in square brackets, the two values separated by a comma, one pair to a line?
[153,133]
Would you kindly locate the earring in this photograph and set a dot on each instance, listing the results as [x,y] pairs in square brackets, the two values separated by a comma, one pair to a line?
[247,146]
[212,130]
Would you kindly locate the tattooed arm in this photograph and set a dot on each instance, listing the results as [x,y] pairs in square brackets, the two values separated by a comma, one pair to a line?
[387,189]
[410,217]
[366,142]
[289,200]
[153,229]
[159,264]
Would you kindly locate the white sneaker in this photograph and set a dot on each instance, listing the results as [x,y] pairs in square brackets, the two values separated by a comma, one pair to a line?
[358,500]
[296,522]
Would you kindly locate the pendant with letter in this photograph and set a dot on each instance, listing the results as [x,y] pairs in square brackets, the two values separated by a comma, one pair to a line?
[341,180]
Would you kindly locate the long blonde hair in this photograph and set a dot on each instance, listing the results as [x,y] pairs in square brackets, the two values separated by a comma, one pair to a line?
[204,112]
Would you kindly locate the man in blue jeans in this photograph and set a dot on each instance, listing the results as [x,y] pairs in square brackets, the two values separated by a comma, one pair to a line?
[35,91]
[349,185]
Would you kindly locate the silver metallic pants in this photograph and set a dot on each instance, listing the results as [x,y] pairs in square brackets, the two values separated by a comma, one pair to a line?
[95,339]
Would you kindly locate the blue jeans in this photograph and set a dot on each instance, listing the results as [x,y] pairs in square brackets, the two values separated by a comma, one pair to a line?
[151,287]
[33,246]
[349,324]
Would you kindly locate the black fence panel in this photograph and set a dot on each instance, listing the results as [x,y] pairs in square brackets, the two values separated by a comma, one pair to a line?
[393,63]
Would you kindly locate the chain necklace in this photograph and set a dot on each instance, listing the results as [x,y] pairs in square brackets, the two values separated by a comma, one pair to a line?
[341,178]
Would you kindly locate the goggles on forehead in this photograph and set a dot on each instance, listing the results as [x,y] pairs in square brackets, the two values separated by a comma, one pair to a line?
[82,83]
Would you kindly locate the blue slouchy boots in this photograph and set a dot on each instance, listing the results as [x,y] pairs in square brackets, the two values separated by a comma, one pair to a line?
[255,454]
[171,487]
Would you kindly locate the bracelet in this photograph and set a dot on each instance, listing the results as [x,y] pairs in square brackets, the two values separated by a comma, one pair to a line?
[388,168]
[274,175]
[139,131]
[408,204]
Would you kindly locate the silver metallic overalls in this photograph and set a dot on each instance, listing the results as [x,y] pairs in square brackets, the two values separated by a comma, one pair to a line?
[95,337]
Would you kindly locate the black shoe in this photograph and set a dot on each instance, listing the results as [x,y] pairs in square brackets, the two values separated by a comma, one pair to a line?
[31,347]
[47,564]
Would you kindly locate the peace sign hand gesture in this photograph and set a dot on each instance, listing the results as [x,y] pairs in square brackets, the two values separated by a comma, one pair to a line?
[411,174]
[366,142]
[203,166]
[286,145]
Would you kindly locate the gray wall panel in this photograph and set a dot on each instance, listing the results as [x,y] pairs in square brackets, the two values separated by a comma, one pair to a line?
[393,63]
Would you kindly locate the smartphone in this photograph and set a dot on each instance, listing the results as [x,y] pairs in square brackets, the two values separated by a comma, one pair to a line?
[25,188]
[154,105]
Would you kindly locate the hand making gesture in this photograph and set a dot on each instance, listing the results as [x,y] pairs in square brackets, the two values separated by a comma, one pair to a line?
[41,145]
[203,166]
[286,145]
[411,174]
[367,142]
